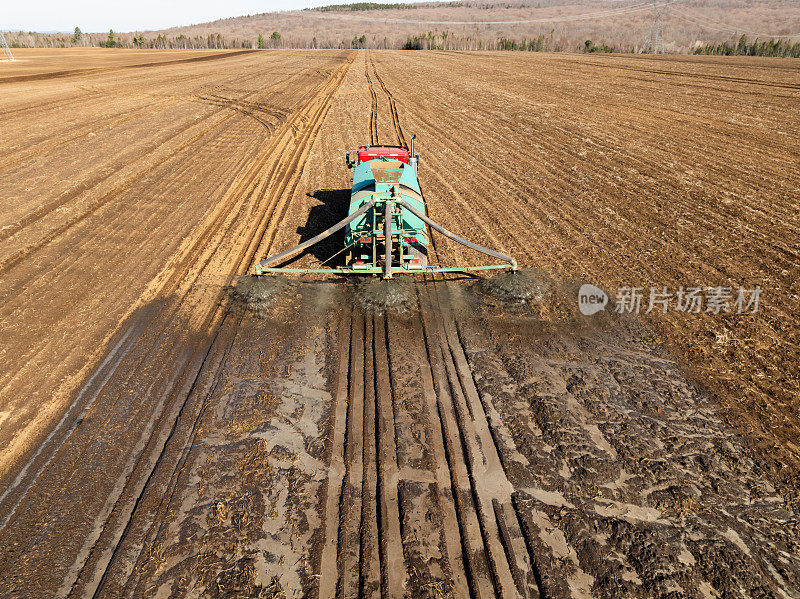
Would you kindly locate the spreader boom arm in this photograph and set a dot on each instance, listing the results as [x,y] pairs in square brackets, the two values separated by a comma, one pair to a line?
[317,238]
[387,270]
[456,238]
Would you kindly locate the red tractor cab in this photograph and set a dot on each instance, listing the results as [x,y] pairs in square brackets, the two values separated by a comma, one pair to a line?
[366,153]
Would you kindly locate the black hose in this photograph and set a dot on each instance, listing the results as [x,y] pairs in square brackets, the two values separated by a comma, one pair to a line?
[317,238]
[456,238]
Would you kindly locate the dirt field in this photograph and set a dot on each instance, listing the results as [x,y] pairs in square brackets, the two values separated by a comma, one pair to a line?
[160,438]
[31,64]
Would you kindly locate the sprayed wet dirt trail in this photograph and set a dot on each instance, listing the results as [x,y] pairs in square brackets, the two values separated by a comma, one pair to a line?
[458,445]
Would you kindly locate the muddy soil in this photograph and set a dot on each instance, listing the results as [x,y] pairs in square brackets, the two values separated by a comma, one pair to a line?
[462,445]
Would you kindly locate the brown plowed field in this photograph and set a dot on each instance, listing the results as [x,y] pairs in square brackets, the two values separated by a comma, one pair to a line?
[159,437]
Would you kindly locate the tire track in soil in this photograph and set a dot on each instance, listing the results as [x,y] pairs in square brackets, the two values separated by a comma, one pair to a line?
[228,336]
[369,541]
[480,534]
[206,391]
[69,422]
[504,544]
[285,151]
[401,140]
[373,111]
[145,65]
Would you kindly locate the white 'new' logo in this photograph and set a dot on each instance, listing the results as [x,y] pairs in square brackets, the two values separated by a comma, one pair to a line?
[591,299]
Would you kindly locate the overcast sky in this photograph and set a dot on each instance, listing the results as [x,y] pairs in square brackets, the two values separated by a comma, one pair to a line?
[102,15]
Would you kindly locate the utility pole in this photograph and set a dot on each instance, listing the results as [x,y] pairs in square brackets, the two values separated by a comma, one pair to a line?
[5,47]
[654,42]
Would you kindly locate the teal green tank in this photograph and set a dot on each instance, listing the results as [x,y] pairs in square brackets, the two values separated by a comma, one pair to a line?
[377,178]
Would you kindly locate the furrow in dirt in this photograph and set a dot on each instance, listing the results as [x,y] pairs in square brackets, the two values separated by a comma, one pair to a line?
[401,140]
[328,580]
[373,109]
[351,507]
[392,571]
[92,71]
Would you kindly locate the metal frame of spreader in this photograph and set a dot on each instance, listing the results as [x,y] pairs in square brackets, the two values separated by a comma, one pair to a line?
[388,270]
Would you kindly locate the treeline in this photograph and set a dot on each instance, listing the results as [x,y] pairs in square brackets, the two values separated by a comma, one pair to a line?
[445,40]
[137,40]
[183,42]
[776,47]
[433,40]
[358,6]
[430,40]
